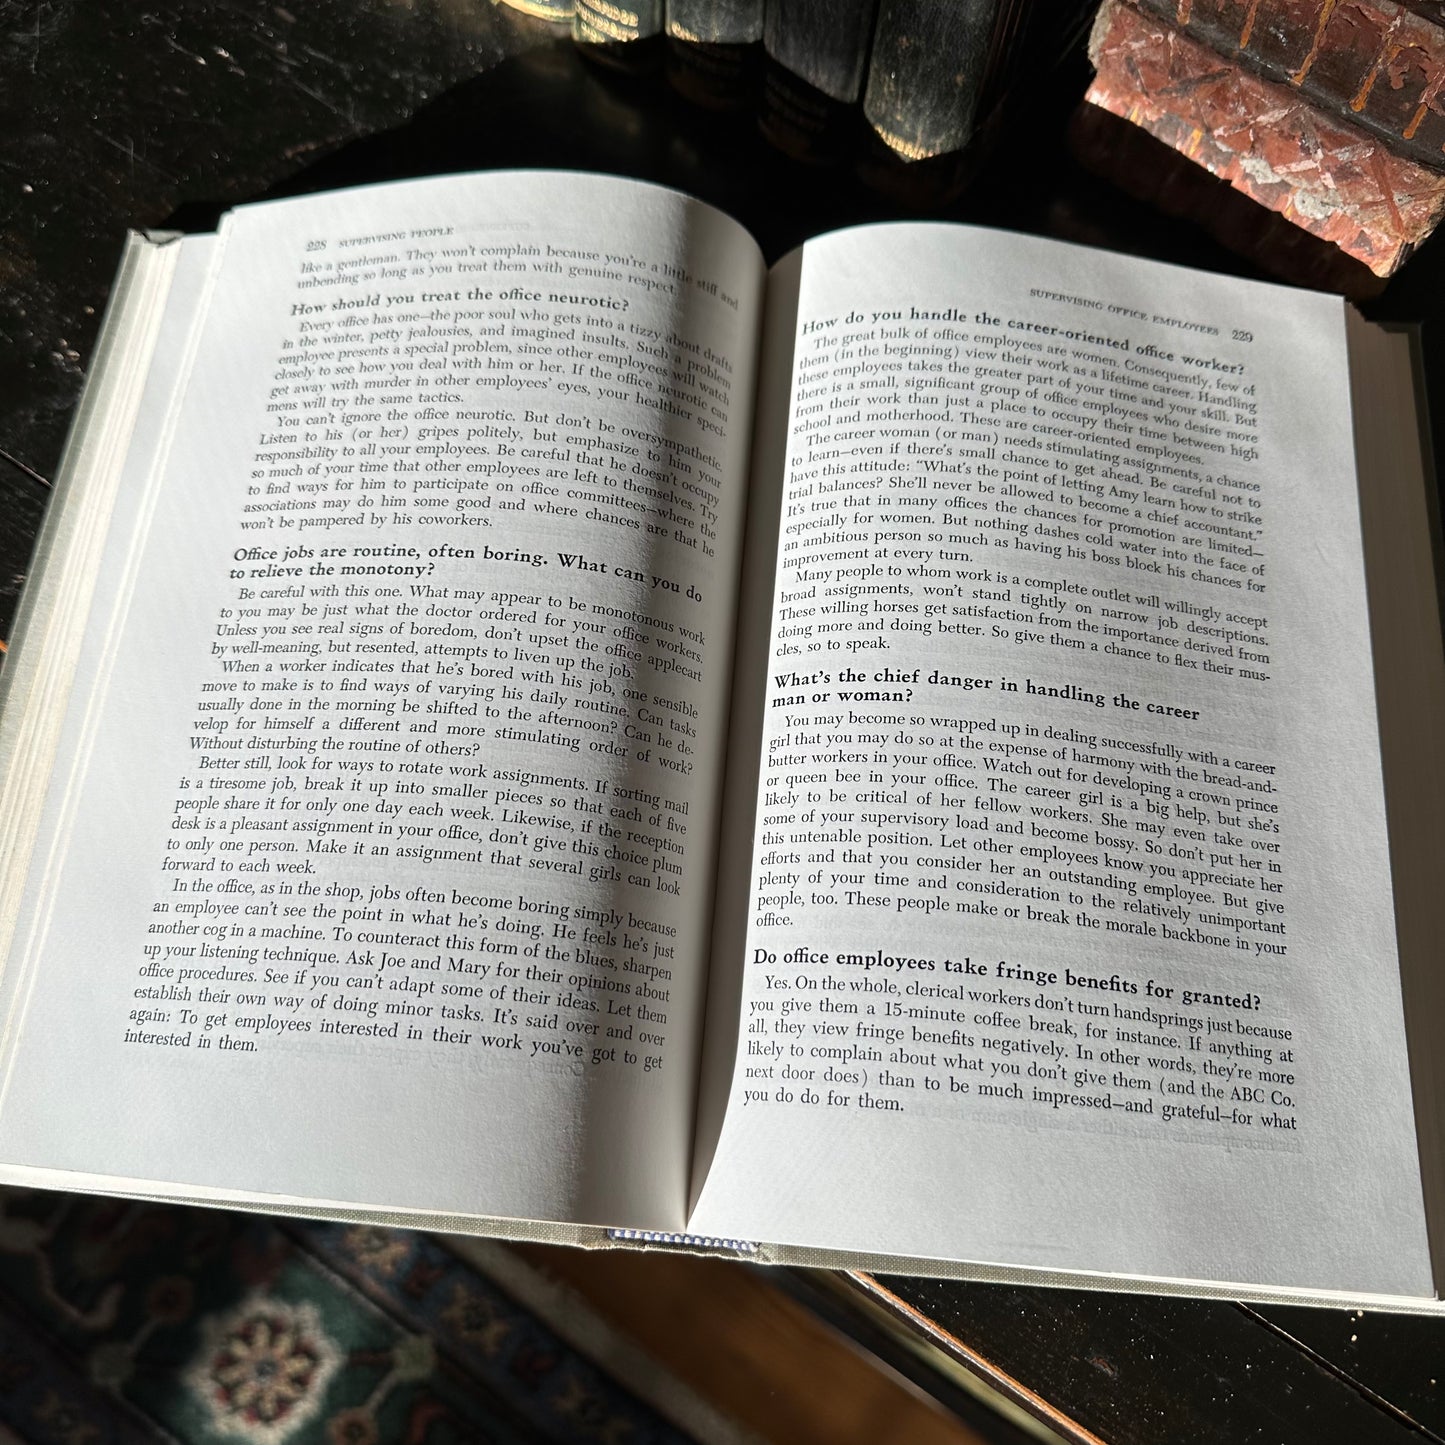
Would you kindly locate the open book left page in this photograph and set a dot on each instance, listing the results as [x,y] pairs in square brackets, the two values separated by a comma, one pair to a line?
[375,867]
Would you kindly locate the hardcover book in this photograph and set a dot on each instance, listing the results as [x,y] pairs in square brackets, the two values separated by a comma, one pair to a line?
[527,720]
[1281,144]
[1376,64]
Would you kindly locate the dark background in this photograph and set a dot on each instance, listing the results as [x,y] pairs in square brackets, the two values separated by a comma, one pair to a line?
[166,115]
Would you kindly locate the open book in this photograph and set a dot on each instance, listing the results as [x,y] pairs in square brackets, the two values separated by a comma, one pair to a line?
[527,721]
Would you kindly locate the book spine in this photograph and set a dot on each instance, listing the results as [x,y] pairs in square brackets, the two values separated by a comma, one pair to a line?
[715,22]
[556,10]
[932,65]
[600,22]
[1130,158]
[1378,64]
[713,53]
[822,42]
[1268,142]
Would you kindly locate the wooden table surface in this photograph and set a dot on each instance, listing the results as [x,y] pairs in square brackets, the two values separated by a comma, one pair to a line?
[166,115]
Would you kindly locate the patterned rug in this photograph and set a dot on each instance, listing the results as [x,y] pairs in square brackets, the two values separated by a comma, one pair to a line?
[124,1322]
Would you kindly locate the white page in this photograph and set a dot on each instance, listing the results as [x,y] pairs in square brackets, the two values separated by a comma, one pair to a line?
[1069,594]
[479,862]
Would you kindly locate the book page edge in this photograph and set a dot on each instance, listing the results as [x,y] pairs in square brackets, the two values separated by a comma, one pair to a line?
[1401,533]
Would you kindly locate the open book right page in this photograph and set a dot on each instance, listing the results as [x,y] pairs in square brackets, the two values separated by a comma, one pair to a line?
[1070,939]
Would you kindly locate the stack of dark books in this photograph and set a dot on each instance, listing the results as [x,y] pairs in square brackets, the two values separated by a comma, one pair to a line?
[905,81]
